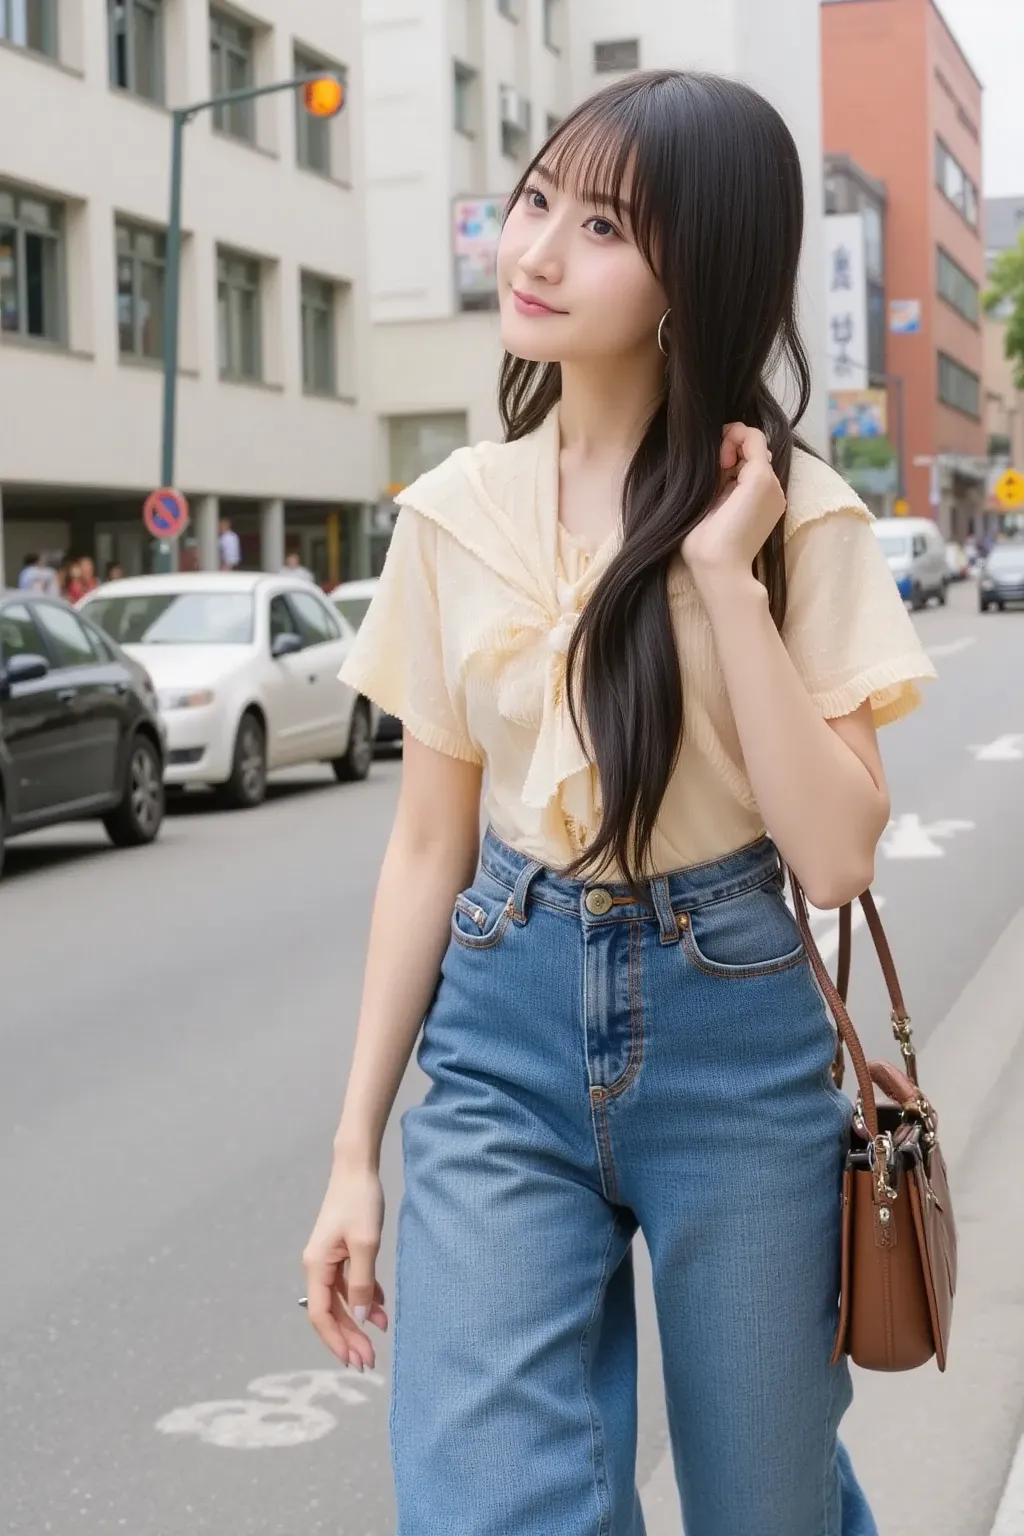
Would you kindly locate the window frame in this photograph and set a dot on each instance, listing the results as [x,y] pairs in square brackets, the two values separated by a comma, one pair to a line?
[238,260]
[157,10]
[602,68]
[509,9]
[27,608]
[313,129]
[464,81]
[950,367]
[312,307]
[133,229]
[968,211]
[48,12]
[232,38]
[57,233]
[944,262]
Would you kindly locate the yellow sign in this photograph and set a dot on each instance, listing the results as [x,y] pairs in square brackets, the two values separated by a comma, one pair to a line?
[1009,490]
[900,507]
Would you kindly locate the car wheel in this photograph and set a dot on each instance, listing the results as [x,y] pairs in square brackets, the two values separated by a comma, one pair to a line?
[137,819]
[943,595]
[358,757]
[247,786]
[917,598]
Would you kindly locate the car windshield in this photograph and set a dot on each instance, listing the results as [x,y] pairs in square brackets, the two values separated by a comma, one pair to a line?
[352,608]
[893,543]
[1007,557]
[176,618]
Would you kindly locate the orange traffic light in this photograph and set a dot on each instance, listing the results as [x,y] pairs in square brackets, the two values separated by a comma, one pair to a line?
[324,96]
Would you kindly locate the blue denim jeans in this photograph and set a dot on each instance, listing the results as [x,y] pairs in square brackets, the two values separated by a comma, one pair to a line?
[598,1066]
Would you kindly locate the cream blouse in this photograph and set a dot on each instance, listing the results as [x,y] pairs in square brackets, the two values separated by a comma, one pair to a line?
[467,635]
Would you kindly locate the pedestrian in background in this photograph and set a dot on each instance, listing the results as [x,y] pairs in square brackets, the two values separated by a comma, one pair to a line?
[87,569]
[293,566]
[230,546]
[114,571]
[73,586]
[36,576]
[620,1027]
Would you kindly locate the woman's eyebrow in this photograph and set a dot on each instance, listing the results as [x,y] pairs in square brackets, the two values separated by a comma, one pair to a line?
[596,195]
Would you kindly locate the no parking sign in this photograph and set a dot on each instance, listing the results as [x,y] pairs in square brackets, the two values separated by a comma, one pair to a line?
[165,513]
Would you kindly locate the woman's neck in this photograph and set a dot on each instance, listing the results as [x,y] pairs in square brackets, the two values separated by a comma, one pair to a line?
[604,413]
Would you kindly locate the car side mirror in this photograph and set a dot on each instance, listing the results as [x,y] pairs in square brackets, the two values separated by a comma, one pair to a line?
[285,645]
[26,667]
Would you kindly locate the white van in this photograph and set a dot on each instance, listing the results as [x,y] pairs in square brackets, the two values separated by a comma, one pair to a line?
[916,554]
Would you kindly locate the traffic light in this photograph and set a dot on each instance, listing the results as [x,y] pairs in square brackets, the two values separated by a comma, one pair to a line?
[324,96]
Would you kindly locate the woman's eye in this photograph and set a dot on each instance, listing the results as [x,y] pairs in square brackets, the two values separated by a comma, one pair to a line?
[535,198]
[602,227]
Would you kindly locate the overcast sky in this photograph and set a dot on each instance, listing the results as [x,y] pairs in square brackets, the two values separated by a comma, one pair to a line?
[991,33]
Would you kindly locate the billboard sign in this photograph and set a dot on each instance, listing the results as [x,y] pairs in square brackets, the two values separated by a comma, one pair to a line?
[858,413]
[846,303]
[476,231]
[904,316]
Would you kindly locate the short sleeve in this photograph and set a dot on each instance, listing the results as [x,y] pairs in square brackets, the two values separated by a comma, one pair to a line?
[846,628]
[397,657]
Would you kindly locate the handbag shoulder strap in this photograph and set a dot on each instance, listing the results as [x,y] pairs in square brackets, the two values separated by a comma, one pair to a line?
[835,994]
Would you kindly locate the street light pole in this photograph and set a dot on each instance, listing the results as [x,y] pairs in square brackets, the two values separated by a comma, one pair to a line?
[328,103]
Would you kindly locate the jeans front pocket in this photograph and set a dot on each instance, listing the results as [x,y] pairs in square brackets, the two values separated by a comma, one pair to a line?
[750,934]
[481,913]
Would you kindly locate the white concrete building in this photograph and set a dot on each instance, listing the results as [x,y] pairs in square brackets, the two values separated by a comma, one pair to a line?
[276,426]
[460,93]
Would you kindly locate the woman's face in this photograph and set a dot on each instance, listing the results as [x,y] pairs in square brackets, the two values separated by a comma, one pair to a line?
[572,284]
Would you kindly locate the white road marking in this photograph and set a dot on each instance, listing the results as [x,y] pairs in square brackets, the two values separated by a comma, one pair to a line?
[907,837]
[1010,1516]
[953,647]
[1005,749]
[282,1412]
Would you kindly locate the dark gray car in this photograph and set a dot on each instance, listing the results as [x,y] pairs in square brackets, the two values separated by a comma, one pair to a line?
[1002,577]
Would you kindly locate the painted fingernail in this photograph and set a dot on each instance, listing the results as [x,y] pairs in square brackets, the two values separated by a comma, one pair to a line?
[359,1313]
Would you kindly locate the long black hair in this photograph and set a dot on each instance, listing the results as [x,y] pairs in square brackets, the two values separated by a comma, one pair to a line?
[715,203]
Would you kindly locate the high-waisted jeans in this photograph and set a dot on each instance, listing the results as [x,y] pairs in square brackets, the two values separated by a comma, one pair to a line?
[596,1066]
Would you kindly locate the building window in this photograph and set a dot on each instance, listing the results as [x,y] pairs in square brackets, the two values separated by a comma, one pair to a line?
[955,184]
[136,37]
[958,289]
[959,387]
[30,24]
[618,57]
[141,271]
[553,20]
[464,98]
[314,135]
[238,316]
[551,122]
[319,374]
[31,266]
[515,122]
[509,8]
[232,68]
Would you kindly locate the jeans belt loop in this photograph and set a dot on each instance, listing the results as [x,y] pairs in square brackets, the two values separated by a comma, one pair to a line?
[662,899]
[527,876]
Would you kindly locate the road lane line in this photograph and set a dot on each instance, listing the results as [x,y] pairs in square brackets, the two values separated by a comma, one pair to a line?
[952,647]
[1010,1516]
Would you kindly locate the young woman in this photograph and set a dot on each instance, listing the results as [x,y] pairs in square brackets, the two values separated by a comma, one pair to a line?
[667,634]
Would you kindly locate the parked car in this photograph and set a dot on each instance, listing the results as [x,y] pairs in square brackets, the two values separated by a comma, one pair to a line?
[352,599]
[80,733]
[958,566]
[916,555]
[1002,577]
[246,672]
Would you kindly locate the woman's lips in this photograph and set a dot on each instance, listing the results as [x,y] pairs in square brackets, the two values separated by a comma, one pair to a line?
[527,305]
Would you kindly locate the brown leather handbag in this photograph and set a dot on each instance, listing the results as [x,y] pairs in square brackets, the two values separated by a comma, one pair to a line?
[898,1273]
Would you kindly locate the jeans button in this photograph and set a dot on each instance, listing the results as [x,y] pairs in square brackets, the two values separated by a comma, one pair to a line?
[598,902]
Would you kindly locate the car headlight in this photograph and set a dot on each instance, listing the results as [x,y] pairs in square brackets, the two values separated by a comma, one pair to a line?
[180,698]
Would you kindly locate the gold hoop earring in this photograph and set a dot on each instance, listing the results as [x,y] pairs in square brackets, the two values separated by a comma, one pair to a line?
[662,348]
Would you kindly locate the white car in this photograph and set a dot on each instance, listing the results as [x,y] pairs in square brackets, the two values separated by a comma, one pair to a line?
[245,668]
[352,599]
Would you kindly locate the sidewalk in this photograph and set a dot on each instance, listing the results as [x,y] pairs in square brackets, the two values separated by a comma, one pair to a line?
[935,1451]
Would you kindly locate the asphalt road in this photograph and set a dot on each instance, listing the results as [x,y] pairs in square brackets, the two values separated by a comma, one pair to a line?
[174,1036]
